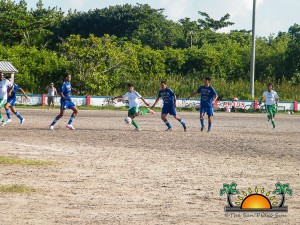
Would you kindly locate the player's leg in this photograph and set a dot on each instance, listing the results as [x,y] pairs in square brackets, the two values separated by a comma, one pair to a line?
[73,116]
[202,112]
[13,109]
[2,103]
[210,114]
[272,111]
[132,113]
[52,102]
[60,115]
[6,107]
[174,113]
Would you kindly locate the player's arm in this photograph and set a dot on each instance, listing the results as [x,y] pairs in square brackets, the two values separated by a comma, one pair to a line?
[175,98]
[64,97]
[147,104]
[9,90]
[120,96]
[156,101]
[262,97]
[192,95]
[77,92]
[215,98]
[23,92]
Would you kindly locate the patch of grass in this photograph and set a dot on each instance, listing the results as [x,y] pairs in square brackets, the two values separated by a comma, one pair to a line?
[28,162]
[16,189]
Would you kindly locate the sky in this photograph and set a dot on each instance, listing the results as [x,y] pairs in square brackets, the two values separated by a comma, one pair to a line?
[272,16]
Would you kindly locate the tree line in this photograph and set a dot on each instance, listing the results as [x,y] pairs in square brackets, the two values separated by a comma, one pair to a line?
[106,48]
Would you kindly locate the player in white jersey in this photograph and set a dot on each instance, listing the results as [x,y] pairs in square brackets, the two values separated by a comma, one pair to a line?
[134,106]
[271,102]
[6,88]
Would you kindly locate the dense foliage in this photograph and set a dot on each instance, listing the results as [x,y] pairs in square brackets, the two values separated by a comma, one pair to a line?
[106,48]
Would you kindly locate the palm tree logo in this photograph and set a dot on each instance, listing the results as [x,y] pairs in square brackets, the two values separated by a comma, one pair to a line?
[257,199]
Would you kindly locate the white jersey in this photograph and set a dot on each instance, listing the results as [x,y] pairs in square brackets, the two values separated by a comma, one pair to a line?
[133,98]
[270,97]
[4,85]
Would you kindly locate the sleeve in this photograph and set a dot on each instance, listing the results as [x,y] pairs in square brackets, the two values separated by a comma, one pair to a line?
[17,87]
[276,95]
[125,95]
[199,90]
[137,94]
[264,95]
[214,91]
[171,92]
[159,94]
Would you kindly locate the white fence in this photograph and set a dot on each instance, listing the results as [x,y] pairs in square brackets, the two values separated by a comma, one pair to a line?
[106,101]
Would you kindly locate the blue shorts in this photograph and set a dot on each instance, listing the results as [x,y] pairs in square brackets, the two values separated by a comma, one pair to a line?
[12,101]
[169,110]
[208,109]
[66,105]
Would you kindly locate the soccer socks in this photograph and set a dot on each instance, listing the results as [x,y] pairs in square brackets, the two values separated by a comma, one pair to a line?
[1,118]
[202,122]
[18,115]
[135,124]
[182,123]
[273,123]
[71,120]
[168,124]
[209,126]
[7,113]
[54,121]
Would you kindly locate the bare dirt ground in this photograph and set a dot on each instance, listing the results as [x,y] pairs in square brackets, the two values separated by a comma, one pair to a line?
[108,174]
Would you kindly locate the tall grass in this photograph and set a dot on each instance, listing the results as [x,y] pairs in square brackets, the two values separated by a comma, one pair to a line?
[184,86]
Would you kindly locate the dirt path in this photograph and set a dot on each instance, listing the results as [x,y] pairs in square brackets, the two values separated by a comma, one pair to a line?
[108,174]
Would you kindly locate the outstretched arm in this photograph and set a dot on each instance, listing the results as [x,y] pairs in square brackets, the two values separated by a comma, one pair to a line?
[77,92]
[156,101]
[23,92]
[193,95]
[120,96]
[147,104]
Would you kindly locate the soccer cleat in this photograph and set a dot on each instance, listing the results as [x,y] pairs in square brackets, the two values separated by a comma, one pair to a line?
[138,129]
[22,121]
[69,126]
[208,130]
[202,128]
[3,123]
[51,127]
[184,128]
[8,121]
[169,129]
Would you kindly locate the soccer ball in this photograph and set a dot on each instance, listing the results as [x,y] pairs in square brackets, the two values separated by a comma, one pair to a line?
[128,120]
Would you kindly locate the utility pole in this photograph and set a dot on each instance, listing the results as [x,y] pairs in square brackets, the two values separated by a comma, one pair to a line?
[252,68]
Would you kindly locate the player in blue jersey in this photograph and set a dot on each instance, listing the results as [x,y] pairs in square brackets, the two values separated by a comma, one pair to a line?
[66,103]
[208,96]
[169,107]
[11,100]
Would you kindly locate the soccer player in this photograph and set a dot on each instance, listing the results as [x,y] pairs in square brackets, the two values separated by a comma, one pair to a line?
[6,88]
[208,96]
[169,107]
[66,103]
[134,107]
[271,98]
[10,104]
[51,93]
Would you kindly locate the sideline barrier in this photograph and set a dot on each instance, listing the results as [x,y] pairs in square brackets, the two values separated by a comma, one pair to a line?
[181,103]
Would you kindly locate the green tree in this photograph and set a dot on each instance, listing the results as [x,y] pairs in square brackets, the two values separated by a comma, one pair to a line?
[229,189]
[282,189]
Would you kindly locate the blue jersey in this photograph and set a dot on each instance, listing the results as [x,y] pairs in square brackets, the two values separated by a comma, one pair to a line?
[66,90]
[168,97]
[207,94]
[14,91]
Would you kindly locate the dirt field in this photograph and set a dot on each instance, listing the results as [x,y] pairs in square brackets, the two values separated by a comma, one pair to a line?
[108,174]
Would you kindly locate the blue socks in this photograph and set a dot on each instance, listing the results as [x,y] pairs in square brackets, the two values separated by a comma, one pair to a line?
[209,126]
[202,122]
[182,123]
[18,115]
[168,124]
[54,121]
[7,113]
[71,120]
